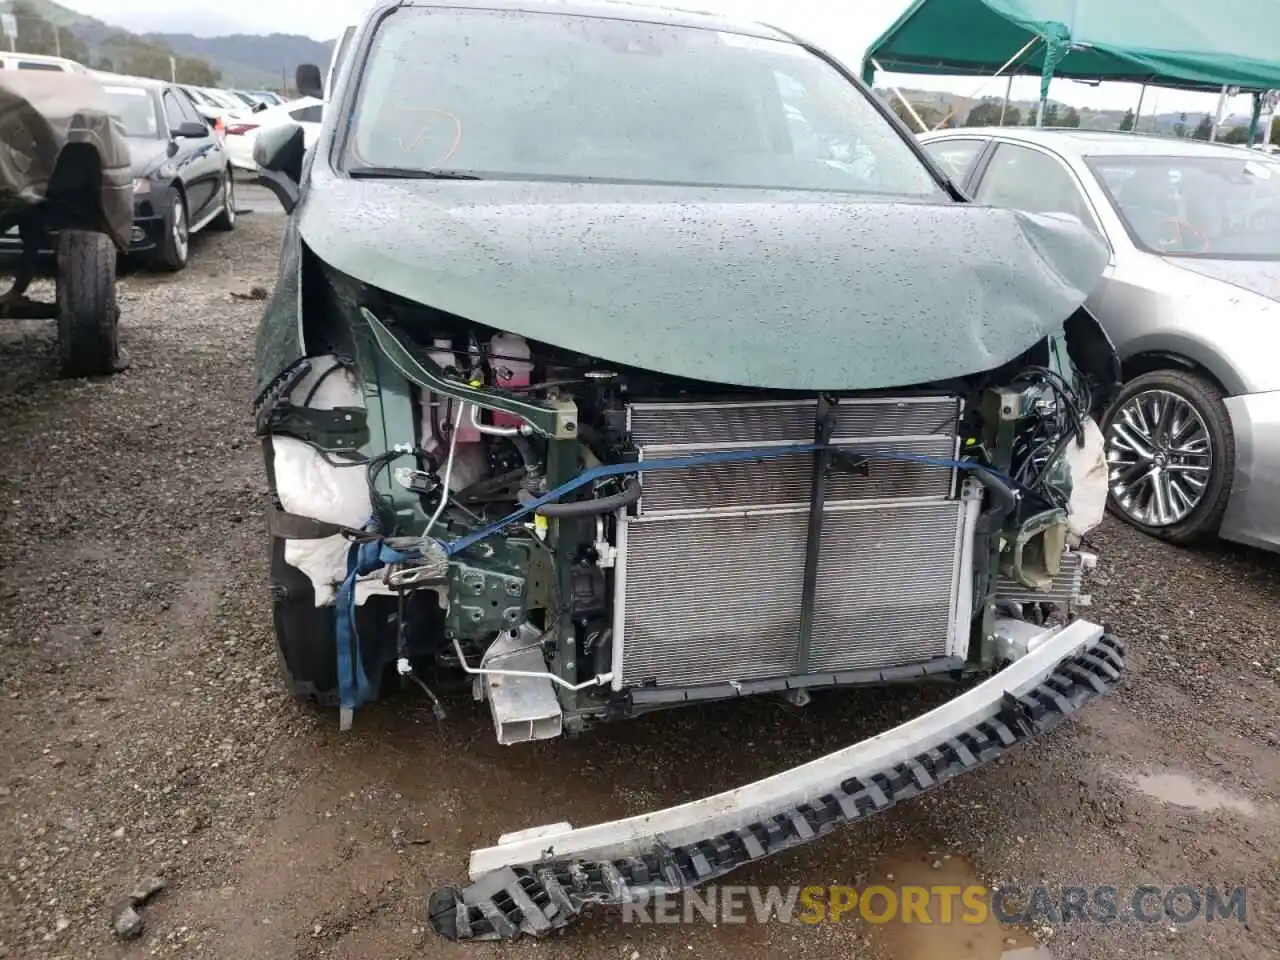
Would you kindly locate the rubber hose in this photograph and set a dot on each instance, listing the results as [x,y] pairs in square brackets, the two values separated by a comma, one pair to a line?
[576,509]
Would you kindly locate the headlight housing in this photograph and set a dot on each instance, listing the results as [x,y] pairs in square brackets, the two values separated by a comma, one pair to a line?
[141,185]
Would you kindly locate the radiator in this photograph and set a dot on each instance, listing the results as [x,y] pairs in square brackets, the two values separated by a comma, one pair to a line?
[710,568]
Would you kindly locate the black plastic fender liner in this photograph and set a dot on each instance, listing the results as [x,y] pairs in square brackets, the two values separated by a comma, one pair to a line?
[547,895]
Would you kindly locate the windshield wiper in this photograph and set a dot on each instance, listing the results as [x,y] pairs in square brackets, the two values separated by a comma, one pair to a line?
[407,173]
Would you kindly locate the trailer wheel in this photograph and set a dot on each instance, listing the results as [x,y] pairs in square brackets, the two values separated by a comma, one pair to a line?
[88,314]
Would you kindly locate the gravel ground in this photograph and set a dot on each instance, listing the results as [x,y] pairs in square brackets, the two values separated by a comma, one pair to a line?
[146,734]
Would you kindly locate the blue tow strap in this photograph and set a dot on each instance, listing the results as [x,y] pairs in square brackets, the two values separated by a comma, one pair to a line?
[700,459]
[362,559]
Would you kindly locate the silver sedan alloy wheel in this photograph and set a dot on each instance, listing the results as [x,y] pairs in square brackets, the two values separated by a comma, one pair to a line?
[1159,458]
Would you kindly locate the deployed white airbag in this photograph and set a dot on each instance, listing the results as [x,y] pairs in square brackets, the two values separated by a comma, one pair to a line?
[1088,465]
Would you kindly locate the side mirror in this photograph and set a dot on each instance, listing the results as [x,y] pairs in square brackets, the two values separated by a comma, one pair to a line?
[308,81]
[278,152]
[189,130]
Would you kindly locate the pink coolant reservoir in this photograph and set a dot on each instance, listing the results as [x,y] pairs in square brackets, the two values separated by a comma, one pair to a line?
[509,357]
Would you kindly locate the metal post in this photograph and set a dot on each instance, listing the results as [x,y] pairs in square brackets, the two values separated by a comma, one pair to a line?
[1040,111]
[1138,112]
[1217,114]
[57,42]
[1008,95]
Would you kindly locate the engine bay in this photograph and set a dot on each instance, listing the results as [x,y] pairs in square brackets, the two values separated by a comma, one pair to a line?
[582,540]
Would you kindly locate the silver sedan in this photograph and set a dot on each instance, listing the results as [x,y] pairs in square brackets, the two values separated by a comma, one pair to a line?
[1191,299]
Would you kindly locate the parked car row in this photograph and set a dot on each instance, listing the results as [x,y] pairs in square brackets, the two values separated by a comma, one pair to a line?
[183,141]
[182,180]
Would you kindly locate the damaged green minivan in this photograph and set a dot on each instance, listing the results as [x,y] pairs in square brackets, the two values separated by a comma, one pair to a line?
[624,359]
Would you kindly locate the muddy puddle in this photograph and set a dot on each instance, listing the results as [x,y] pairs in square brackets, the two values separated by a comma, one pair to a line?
[1181,790]
[949,917]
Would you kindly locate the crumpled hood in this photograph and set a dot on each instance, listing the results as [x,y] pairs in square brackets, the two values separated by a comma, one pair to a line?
[1257,276]
[765,289]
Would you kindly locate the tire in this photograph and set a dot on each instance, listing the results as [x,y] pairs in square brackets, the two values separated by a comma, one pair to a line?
[88,314]
[306,639]
[1196,447]
[226,220]
[175,243]
[306,646]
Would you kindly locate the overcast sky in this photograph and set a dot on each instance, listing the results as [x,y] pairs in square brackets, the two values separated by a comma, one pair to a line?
[845,28]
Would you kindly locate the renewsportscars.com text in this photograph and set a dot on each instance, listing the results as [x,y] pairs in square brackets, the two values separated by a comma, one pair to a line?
[941,903]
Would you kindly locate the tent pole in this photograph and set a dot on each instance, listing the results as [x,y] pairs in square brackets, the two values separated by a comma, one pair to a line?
[1253,121]
[1008,95]
[1138,113]
[1217,114]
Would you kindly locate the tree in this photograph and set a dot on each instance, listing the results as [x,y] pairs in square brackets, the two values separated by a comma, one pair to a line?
[1235,135]
[1050,115]
[1203,129]
[1071,118]
[988,114]
[141,59]
[1127,122]
[38,35]
[985,114]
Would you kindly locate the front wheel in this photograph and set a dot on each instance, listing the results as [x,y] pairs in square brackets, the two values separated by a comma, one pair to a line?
[226,220]
[1170,455]
[175,239]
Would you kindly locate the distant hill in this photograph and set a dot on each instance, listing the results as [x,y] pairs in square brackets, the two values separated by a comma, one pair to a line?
[249,60]
[238,60]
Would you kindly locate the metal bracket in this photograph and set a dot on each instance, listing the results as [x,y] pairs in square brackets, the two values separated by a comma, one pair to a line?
[845,461]
[556,418]
[341,428]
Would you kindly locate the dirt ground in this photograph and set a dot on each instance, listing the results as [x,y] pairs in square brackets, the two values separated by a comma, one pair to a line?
[145,733]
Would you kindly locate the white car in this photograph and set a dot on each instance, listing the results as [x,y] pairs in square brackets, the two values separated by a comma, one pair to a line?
[39,61]
[242,133]
[218,111]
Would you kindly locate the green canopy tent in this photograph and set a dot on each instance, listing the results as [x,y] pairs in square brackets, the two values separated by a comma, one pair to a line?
[1189,44]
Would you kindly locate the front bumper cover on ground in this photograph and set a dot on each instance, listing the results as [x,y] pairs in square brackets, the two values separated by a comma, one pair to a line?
[538,881]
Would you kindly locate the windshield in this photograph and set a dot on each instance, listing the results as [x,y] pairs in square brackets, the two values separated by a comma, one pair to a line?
[536,95]
[1221,207]
[223,99]
[134,111]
